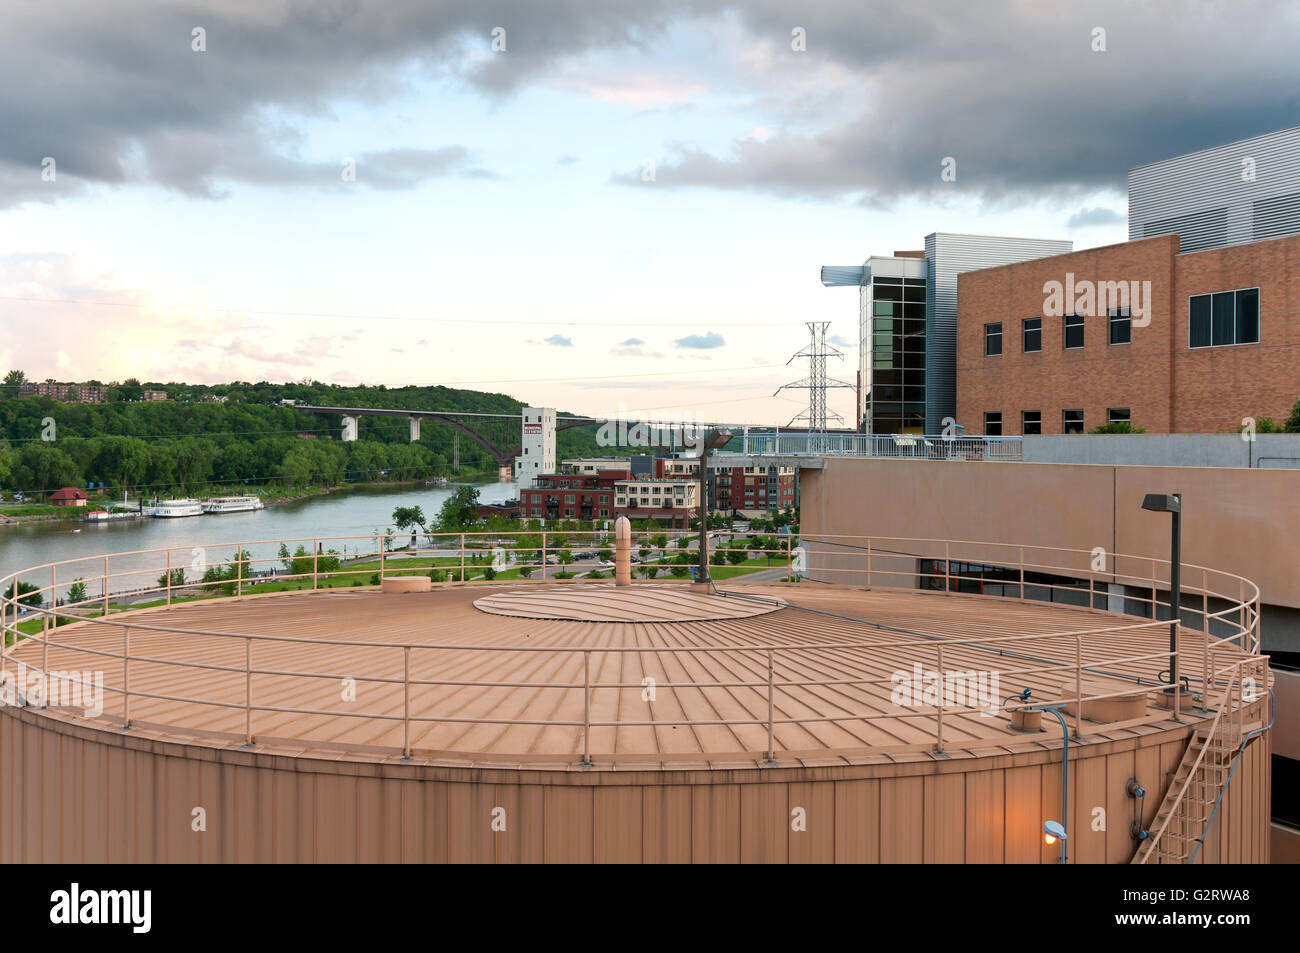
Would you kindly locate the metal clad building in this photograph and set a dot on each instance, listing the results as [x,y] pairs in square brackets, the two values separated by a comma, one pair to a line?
[1240,192]
[948,255]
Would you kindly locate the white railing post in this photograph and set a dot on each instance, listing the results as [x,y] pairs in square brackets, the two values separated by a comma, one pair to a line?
[169,577]
[105,587]
[315,564]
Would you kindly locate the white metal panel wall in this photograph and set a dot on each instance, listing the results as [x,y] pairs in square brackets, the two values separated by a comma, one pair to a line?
[1240,192]
[948,255]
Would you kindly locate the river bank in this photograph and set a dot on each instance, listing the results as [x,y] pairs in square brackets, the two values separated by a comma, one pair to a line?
[8,516]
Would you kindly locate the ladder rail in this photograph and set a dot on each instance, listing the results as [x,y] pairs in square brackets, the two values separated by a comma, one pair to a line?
[1170,809]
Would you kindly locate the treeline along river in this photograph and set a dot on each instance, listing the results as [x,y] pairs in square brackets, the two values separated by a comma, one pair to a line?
[359,511]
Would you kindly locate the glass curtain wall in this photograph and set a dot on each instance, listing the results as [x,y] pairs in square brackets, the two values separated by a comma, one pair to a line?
[897,395]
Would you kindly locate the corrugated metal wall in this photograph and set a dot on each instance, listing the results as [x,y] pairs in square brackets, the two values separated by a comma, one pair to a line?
[1215,197]
[948,255]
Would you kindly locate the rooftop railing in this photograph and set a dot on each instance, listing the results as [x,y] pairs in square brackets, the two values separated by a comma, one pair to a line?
[917,446]
[1218,651]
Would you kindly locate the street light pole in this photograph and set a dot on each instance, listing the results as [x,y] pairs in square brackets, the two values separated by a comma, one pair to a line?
[713,440]
[1171,503]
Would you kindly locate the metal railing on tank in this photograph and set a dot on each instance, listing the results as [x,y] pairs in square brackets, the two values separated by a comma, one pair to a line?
[1218,652]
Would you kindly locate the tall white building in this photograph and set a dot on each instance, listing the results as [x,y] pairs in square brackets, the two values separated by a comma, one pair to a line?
[538,443]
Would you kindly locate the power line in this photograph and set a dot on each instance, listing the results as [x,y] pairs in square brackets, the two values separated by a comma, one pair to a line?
[390,317]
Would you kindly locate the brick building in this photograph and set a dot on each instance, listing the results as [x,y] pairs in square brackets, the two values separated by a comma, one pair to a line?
[753,489]
[609,494]
[82,393]
[1169,341]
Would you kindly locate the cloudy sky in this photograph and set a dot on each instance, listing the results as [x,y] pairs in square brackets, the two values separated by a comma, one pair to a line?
[627,205]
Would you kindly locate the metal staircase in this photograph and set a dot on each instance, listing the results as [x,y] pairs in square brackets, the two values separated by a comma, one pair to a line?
[1193,793]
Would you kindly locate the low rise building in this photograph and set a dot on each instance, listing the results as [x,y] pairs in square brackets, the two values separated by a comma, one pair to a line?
[1167,341]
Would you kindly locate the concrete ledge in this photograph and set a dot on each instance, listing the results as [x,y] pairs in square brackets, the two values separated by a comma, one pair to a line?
[406,584]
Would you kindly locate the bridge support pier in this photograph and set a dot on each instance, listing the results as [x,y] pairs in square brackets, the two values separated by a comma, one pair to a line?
[349,428]
[415,429]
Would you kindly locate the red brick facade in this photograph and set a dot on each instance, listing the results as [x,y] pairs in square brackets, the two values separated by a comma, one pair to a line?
[1167,386]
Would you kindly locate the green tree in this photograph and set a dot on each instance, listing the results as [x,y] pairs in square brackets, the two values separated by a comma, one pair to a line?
[459,510]
[77,591]
[28,593]
[407,517]
[178,579]
[1293,422]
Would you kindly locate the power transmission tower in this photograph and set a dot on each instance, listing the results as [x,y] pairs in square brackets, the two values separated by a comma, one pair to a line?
[455,452]
[816,383]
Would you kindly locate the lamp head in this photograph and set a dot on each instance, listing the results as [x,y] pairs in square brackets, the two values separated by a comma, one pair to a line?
[1163,502]
[717,439]
[1053,831]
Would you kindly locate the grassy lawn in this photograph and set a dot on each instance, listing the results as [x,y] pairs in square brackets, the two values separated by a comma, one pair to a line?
[39,509]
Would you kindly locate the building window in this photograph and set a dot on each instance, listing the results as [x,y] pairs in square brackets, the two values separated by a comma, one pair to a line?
[992,339]
[604,512]
[1223,318]
[1031,422]
[568,498]
[993,425]
[1121,326]
[1072,421]
[1119,415]
[1073,331]
[1032,332]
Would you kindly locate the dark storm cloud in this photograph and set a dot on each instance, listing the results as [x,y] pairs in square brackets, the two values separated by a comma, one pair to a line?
[1018,97]
[114,92]
[1013,92]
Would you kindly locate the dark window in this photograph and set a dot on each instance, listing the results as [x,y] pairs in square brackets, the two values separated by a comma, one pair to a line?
[1121,326]
[1223,318]
[1199,329]
[992,425]
[1223,315]
[1248,316]
[1032,332]
[1119,415]
[1073,331]
[992,339]
[1072,421]
[1031,422]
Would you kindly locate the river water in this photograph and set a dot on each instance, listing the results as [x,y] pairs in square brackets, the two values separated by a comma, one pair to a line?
[359,511]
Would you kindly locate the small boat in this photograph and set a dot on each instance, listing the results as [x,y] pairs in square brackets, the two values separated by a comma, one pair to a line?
[185,507]
[436,481]
[232,504]
[95,516]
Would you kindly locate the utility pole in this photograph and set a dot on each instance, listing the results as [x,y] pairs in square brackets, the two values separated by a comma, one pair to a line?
[816,383]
